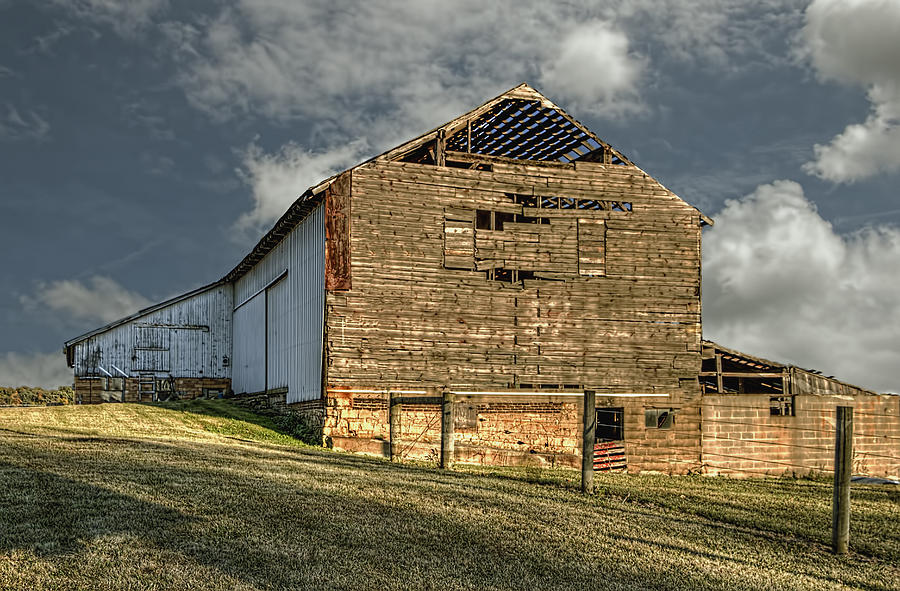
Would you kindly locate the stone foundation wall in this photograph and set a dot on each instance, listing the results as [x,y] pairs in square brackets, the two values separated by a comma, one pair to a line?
[94,390]
[512,430]
[742,438]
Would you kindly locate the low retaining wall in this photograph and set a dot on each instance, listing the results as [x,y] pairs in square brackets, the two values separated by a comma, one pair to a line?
[94,390]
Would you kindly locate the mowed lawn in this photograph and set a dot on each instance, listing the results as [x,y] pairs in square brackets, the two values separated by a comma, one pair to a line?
[205,495]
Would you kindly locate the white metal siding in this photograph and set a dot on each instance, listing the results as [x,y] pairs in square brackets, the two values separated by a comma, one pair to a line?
[295,312]
[189,338]
[250,346]
[278,333]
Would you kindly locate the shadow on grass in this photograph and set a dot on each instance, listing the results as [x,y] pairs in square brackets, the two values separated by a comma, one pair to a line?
[298,518]
[51,514]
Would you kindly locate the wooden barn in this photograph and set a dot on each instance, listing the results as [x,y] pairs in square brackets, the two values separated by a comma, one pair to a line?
[506,262]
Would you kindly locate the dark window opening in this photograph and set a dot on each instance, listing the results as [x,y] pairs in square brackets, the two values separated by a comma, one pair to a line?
[527,219]
[500,217]
[484,220]
[526,200]
[610,424]
[526,275]
[659,418]
[782,406]
[501,274]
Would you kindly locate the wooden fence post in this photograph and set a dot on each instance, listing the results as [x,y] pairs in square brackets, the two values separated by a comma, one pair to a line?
[447,429]
[589,421]
[843,466]
[394,415]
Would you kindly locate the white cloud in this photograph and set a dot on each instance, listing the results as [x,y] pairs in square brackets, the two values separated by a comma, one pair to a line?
[857,42]
[378,73]
[24,125]
[46,370]
[593,67]
[99,299]
[386,63]
[279,179]
[780,283]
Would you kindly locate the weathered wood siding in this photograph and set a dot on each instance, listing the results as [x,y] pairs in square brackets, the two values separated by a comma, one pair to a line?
[630,326]
[189,338]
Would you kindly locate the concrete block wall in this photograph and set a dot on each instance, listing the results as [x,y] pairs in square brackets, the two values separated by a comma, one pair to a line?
[740,436]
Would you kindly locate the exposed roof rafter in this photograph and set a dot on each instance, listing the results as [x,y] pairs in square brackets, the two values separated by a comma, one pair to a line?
[522,124]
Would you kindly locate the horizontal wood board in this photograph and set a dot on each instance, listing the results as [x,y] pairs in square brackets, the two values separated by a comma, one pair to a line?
[628,322]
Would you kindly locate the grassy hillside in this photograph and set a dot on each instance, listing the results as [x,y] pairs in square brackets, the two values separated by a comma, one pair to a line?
[205,495]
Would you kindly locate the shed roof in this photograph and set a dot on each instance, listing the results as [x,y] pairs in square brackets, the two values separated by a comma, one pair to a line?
[755,363]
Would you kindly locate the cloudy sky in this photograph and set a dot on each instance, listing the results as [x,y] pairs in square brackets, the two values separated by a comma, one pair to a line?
[145,145]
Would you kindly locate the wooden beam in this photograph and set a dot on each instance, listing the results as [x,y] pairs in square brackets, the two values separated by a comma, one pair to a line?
[719,387]
[742,374]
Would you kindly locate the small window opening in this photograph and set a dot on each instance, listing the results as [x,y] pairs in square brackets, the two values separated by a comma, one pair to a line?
[782,406]
[610,424]
[527,219]
[483,220]
[659,418]
[501,274]
[501,217]
[524,200]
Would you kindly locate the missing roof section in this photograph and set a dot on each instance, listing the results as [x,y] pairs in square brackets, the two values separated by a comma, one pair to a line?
[527,130]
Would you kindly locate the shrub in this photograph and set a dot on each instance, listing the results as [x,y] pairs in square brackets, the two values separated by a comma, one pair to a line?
[300,427]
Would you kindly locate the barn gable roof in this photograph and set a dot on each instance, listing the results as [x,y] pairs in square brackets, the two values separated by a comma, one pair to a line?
[521,124]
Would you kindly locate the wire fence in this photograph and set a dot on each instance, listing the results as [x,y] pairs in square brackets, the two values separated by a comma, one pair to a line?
[766,463]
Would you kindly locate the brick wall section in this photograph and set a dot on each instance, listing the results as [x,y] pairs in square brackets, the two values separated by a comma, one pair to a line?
[739,431]
[357,422]
[97,390]
[498,430]
[670,451]
[514,431]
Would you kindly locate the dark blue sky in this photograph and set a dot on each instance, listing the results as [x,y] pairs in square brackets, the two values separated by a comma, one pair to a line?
[145,147]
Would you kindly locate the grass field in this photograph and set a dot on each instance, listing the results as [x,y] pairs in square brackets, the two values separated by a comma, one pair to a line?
[205,495]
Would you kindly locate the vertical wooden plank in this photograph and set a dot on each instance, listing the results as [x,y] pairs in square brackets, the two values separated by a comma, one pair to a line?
[719,373]
[440,148]
[589,418]
[843,466]
[394,419]
[337,234]
[447,430]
